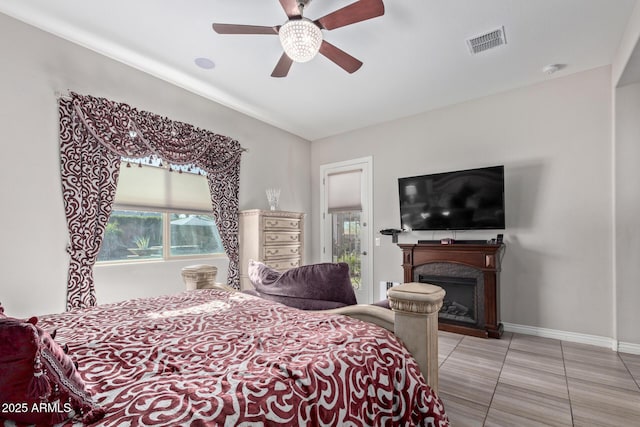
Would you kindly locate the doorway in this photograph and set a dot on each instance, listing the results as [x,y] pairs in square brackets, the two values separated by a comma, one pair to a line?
[345,230]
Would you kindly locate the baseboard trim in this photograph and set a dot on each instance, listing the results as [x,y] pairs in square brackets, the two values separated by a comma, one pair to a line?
[565,336]
[628,347]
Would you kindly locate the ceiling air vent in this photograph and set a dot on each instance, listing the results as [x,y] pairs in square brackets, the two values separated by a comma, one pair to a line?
[486,41]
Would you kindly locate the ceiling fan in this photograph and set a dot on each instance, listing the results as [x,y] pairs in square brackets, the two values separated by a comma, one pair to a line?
[301,38]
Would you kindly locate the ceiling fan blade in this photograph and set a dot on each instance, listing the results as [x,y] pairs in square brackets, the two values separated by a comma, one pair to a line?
[282,67]
[290,7]
[340,57]
[243,29]
[359,11]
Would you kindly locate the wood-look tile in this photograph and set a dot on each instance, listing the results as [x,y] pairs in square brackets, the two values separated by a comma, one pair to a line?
[462,412]
[537,361]
[589,354]
[533,380]
[596,404]
[485,355]
[520,407]
[447,342]
[442,358]
[530,381]
[469,363]
[632,362]
[538,345]
[609,372]
[466,385]
[489,346]
[450,336]
[498,418]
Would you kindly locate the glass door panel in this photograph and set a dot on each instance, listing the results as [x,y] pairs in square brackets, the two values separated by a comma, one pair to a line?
[346,244]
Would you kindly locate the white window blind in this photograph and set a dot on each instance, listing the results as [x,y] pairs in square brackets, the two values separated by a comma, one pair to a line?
[158,189]
[344,191]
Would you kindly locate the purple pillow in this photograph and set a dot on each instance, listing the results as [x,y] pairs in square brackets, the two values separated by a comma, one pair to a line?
[300,303]
[39,382]
[309,287]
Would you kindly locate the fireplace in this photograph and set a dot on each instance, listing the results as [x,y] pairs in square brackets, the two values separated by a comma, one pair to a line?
[469,275]
[461,301]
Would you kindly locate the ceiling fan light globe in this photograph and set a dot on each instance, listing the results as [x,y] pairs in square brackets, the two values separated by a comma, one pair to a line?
[300,39]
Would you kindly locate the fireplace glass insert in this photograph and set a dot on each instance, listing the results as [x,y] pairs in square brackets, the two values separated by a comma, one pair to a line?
[460,303]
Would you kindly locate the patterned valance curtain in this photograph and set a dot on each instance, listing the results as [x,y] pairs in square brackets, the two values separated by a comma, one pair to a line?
[94,134]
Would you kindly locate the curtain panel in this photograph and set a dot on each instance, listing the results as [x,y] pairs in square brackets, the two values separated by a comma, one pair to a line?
[94,134]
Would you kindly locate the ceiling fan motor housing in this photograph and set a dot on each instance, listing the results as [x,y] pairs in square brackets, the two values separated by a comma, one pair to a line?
[300,39]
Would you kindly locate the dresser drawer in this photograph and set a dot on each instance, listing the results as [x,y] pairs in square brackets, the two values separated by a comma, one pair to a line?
[284,264]
[281,237]
[274,252]
[280,223]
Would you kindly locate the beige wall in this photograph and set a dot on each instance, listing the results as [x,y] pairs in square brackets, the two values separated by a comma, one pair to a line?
[627,45]
[33,258]
[627,206]
[554,139]
[626,136]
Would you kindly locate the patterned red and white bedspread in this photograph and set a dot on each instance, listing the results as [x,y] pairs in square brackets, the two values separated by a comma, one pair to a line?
[211,357]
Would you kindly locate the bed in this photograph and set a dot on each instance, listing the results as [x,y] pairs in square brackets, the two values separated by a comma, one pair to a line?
[221,358]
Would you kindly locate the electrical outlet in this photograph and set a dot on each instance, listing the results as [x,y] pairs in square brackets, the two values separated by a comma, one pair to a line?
[384,287]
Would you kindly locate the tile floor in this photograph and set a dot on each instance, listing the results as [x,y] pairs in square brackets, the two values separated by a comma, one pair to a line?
[523,380]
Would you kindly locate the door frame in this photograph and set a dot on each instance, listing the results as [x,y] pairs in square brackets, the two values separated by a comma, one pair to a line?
[366,164]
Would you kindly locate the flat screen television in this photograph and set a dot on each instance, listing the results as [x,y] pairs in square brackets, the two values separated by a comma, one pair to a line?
[471,199]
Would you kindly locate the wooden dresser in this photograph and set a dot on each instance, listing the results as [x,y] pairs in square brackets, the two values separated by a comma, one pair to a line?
[273,237]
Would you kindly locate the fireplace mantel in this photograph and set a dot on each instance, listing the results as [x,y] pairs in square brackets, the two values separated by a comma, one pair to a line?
[484,257]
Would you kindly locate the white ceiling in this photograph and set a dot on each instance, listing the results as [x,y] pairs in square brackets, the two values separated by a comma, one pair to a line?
[415,56]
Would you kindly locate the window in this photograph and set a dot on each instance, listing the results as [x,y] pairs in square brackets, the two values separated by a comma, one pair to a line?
[144,235]
[160,214]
